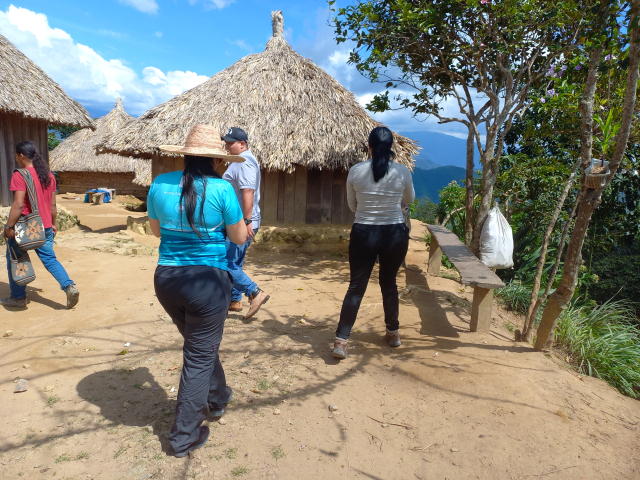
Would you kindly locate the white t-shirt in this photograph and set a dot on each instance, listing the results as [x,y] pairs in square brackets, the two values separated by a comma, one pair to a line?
[379,203]
[246,175]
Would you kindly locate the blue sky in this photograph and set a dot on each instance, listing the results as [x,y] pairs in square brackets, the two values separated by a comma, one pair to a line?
[147,51]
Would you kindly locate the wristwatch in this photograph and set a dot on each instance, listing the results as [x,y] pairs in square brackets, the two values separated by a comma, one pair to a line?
[247,221]
[9,227]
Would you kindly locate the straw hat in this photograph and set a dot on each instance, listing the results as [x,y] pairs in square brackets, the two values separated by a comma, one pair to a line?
[203,141]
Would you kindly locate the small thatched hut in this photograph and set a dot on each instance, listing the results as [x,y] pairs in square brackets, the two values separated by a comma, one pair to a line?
[305,129]
[80,168]
[29,102]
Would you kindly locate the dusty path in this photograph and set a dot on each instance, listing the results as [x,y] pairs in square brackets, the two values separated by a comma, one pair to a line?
[447,404]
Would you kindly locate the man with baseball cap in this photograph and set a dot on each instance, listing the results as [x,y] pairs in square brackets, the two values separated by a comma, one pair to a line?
[245,178]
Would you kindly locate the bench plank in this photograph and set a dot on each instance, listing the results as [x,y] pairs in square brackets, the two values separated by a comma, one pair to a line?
[472,271]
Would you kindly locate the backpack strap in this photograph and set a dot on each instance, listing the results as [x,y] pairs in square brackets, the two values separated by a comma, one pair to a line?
[31,189]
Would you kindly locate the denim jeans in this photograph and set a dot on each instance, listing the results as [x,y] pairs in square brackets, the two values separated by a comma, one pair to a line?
[235,259]
[389,243]
[196,298]
[48,258]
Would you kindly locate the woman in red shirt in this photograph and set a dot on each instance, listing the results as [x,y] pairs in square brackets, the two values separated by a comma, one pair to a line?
[45,184]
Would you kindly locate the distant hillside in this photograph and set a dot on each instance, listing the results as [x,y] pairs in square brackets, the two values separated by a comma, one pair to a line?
[442,149]
[426,164]
[428,183]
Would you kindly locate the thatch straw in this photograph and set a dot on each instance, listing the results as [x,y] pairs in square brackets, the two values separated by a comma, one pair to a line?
[293,111]
[27,91]
[78,152]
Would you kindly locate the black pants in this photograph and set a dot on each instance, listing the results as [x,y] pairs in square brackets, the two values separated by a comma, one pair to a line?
[389,243]
[196,298]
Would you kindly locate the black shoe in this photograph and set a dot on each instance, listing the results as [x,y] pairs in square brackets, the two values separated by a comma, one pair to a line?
[216,410]
[202,440]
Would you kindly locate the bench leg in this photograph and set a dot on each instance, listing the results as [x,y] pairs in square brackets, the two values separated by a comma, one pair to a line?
[481,310]
[435,257]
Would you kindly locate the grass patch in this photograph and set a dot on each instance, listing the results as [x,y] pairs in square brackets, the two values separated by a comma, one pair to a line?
[239,471]
[52,400]
[231,453]
[515,296]
[509,326]
[277,452]
[82,455]
[62,458]
[264,385]
[603,342]
[120,451]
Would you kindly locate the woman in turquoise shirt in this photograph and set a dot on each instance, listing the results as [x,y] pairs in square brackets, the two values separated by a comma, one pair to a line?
[193,212]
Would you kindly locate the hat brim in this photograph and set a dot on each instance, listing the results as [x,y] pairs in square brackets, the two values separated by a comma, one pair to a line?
[201,152]
[227,138]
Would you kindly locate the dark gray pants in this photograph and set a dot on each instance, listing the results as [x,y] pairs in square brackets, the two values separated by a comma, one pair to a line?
[197,299]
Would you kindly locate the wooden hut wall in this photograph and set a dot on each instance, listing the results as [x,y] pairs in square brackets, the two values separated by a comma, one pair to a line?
[80,182]
[306,196]
[13,130]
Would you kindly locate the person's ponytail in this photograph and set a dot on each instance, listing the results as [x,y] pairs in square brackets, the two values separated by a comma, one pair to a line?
[380,141]
[195,167]
[29,150]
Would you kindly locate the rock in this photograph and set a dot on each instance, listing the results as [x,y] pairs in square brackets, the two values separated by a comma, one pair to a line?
[21,386]
[48,388]
[125,404]
[146,385]
[152,443]
[131,444]
[222,421]
[246,355]
[277,411]
[333,407]
[275,378]
[8,333]
[26,365]
[454,450]
[147,428]
[245,370]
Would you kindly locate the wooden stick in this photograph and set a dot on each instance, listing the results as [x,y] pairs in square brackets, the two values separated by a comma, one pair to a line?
[389,423]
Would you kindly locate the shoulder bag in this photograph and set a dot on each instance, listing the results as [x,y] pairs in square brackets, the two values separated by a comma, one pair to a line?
[29,229]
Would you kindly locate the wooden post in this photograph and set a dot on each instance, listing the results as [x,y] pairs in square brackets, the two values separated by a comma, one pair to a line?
[435,257]
[481,309]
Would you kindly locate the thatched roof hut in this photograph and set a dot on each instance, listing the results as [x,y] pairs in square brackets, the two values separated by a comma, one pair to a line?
[29,101]
[296,116]
[80,167]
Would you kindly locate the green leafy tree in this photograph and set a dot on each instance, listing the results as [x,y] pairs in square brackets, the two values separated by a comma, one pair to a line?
[484,55]
[57,133]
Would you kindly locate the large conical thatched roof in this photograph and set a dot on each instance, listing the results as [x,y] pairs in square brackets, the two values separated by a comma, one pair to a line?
[293,111]
[78,152]
[26,90]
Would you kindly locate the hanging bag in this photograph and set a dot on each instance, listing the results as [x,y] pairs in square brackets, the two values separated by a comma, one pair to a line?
[22,271]
[29,229]
[496,241]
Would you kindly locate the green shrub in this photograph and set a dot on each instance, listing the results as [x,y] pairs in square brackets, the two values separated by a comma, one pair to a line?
[619,278]
[604,342]
[515,296]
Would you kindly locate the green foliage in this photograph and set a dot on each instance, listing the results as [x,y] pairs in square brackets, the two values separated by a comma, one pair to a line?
[451,197]
[515,296]
[56,134]
[603,342]
[426,211]
[619,277]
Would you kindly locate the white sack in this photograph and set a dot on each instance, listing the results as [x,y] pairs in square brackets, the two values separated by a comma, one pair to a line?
[496,241]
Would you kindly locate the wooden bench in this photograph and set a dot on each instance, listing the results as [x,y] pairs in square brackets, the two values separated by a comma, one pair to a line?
[472,272]
[98,198]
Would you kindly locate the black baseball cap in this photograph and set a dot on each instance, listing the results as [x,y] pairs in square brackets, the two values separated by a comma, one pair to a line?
[235,134]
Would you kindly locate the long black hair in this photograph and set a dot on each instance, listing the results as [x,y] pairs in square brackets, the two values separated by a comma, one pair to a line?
[195,167]
[380,141]
[29,150]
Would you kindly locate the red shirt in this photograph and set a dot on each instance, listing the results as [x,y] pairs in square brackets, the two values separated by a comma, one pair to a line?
[44,195]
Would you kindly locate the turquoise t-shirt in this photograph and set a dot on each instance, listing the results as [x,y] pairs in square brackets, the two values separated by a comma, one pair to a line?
[179,244]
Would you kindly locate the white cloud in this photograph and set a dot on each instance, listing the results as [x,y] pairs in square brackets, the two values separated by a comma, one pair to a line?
[158,34]
[85,75]
[241,44]
[213,4]
[145,6]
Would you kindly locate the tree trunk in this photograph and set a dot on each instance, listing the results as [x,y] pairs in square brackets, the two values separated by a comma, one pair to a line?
[489,175]
[556,265]
[469,207]
[527,332]
[590,198]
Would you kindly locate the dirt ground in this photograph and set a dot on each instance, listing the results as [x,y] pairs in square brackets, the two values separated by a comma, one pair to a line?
[447,404]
